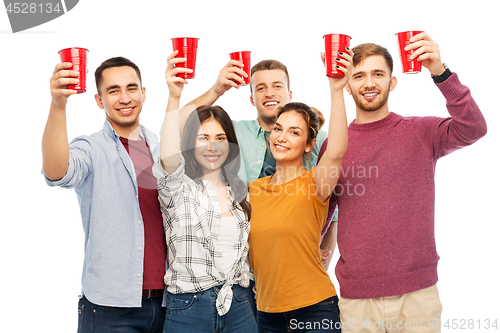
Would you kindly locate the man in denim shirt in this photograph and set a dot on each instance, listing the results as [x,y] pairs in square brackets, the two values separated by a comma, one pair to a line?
[125,249]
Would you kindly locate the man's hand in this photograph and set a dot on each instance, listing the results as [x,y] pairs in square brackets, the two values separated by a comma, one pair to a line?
[427,52]
[325,254]
[61,77]
[229,77]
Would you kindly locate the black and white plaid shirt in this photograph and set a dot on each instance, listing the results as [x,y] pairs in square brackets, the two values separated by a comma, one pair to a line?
[191,218]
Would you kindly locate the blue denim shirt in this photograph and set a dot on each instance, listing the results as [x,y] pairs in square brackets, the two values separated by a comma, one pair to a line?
[103,176]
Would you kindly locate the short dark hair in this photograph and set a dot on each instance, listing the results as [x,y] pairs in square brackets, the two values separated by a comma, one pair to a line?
[363,51]
[114,62]
[267,65]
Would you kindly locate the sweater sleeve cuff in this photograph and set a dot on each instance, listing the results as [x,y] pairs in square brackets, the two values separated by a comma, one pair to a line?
[443,77]
[452,88]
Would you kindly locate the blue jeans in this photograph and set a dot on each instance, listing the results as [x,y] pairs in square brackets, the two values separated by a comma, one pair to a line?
[103,319]
[196,312]
[320,317]
[251,298]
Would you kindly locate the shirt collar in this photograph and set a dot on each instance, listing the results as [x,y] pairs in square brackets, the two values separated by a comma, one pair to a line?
[108,129]
[257,128]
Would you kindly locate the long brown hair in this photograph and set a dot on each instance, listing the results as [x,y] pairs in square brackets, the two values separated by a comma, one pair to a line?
[231,165]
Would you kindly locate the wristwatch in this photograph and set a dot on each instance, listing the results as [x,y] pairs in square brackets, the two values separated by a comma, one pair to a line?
[441,78]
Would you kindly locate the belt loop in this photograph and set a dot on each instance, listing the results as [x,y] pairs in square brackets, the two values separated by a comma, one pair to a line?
[149,293]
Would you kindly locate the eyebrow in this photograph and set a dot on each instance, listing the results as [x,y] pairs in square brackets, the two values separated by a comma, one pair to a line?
[373,71]
[291,127]
[272,83]
[220,134]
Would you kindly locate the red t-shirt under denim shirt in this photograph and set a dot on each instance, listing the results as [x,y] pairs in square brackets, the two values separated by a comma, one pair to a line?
[155,247]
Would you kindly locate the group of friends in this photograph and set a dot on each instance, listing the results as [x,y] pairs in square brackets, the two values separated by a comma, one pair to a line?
[230,226]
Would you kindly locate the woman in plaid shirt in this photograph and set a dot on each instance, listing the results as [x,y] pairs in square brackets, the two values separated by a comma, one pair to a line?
[206,218]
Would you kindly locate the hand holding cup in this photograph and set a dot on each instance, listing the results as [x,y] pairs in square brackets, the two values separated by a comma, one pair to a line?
[61,78]
[231,76]
[344,66]
[174,75]
[426,51]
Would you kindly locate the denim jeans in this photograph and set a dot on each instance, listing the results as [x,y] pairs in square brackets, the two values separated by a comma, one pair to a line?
[320,317]
[196,313]
[94,318]
[251,298]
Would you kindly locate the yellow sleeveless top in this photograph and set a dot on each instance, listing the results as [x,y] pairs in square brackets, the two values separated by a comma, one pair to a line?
[285,234]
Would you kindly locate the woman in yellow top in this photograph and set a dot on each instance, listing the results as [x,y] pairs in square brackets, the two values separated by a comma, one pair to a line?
[289,210]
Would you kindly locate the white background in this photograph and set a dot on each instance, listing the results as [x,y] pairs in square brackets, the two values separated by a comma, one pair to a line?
[42,237]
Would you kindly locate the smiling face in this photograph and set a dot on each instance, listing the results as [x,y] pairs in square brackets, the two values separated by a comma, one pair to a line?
[370,85]
[269,92]
[212,147]
[121,96]
[288,140]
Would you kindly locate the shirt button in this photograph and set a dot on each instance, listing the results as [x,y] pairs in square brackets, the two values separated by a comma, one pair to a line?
[140,248]
[139,222]
[139,275]
[260,162]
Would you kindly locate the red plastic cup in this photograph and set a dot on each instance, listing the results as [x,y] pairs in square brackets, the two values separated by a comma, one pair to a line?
[244,57]
[187,47]
[335,43]
[409,66]
[78,57]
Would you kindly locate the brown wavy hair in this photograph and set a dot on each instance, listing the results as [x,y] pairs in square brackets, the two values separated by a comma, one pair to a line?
[231,165]
[313,117]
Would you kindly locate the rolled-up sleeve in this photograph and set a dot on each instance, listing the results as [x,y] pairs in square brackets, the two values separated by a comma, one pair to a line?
[79,165]
[167,184]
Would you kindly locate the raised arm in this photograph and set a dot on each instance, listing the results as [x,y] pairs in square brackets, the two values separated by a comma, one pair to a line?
[467,124]
[326,173]
[55,147]
[170,133]
[228,75]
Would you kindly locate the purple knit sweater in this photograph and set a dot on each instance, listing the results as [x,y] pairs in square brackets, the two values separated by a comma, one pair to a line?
[386,196]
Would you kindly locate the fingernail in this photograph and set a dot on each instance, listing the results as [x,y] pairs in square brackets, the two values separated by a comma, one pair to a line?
[341,53]
[338,59]
[337,66]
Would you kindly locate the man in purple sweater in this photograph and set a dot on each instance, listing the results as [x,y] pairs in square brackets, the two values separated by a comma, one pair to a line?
[387,269]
